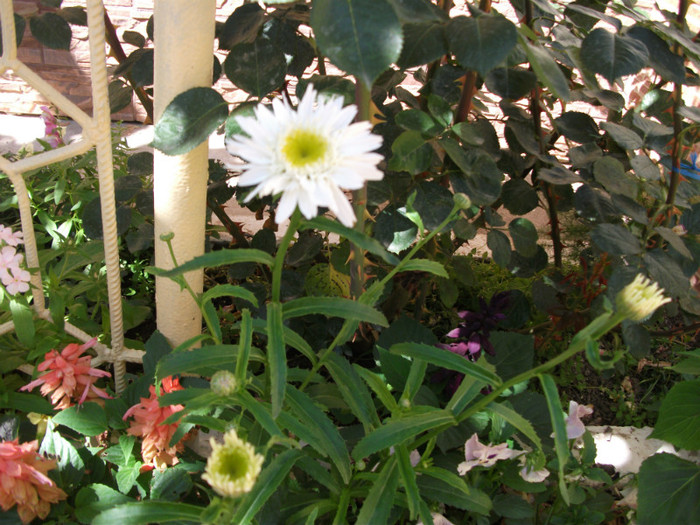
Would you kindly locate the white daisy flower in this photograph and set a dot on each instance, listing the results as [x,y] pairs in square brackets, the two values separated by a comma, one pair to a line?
[308,155]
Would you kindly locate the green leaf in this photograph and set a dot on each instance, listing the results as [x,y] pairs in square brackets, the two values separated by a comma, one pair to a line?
[481,43]
[423,43]
[480,178]
[396,431]
[360,239]
[260,412]
[328,440]
[95,498]
[512,506]
[51,30]
[679,416]
[202,360]
[519,197]
[547,70]
[120,94]
[269,480]
[149,512]
[170,484]
[378,386]
[499,244]
[610,172]
[424,265]
[625,138]
[242,26]
[20,25]
[394,230]
[577,126]
[25,403]
[353,390]
[669,491]
[189,120]
[362,37]
[446,487]
[276,356]
[612,55]
[690,365]
[217,258]
[88,419]
[380,500]
[23,320]
[244,347]
[71,467]
[257,68]
[518,421]
[511,83]
[411,153]
[333,307]
[229,290]
[446,359]
[291,338]
[556,415]
[514,353]
[524,236]
[616,239]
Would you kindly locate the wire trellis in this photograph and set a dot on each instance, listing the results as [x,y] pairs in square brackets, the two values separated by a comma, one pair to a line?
[96,133]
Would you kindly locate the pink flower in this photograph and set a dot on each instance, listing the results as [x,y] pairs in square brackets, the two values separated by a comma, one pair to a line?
[23,481]
[17,281]
[574,425]
[71,378]
[534,476]
[148,425]
[8,237]
[9,258]
[51,129]
[478,454]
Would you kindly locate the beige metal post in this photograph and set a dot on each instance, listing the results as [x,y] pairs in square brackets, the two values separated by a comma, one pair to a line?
[184,44]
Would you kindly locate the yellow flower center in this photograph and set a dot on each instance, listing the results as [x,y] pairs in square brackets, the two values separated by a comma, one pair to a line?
[302,148]
[233,464]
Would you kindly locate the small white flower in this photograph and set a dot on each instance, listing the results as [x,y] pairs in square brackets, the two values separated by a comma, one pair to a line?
[233,466]
[534,476]
[639,299]
[308,155]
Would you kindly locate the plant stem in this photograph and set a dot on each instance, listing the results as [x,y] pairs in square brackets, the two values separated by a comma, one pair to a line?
[677,123]
[281,252]
[359,203]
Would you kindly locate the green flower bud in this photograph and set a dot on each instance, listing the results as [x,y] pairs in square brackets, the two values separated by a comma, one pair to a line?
[461,200]
[223,383]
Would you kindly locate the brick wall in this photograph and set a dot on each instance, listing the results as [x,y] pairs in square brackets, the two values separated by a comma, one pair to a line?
[69,71]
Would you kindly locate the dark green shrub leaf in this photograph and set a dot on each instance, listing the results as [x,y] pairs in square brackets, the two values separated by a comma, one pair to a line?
[23,320]
[20,25]
[423,43]
[51,30]
[119,94]
[577,126]
[511,83]
[481,43]
[669,491]
[679,416]
[519,197]
[380,500]
[480,178]
[95,498]
[394,231]
[142,68]
[594,203]
[71,467]
[610,172]
[188,120]
[242,26]
[140,164]
[362,37]
[664,270]
[499,244]
[612,55]
[616,239]
[548,71]
[170,484]
[257,68]
[414,11]
[637,339]
[417,120]
[524,236]
[134,38]
[329,85]
[558,175]
[411,153]
[514,353]
[664,61]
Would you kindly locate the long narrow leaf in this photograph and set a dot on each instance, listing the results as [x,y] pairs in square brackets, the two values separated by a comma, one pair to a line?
[443,486]
[217,258]
[268,482]
[328,437]
[518,421]
[559,425]
[230,290]
[468,389]
[201,360]
[424,265]
[380,499]
[360,239]
[378,386]
[414,380]
[353,390]
[334,307]
[260,412]
[446,359]
[292,338]
[149,512]
[397,430]
[408,479]
[276,357]
[245,335]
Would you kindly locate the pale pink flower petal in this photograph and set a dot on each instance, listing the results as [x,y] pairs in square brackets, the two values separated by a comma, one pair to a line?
[478,454]
[574,426]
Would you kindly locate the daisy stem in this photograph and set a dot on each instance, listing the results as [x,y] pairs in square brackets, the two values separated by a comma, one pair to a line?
[359,200]
[281,252]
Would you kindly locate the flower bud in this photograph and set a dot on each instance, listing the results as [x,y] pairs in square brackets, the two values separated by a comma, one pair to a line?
[461,200]
[223,383]
[639,299]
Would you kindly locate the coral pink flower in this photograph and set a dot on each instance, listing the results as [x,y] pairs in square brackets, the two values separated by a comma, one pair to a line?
[71,378]
[23,481]
[148,425]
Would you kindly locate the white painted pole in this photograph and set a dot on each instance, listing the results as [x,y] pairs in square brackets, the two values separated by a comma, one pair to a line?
[184,44]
